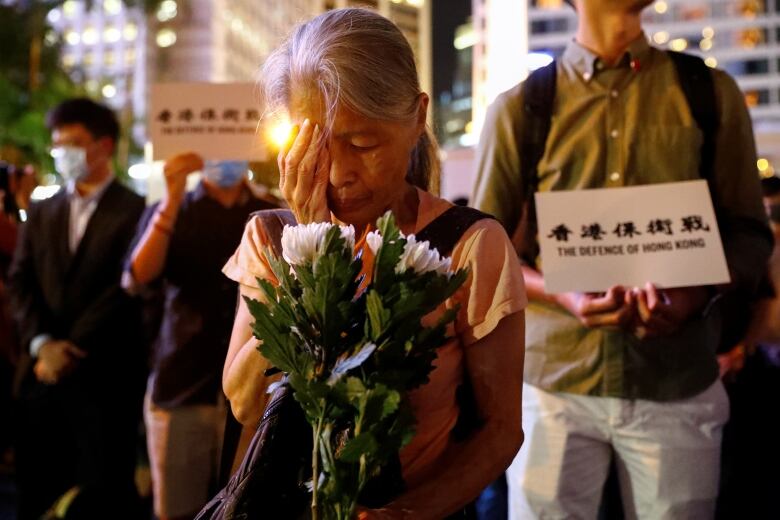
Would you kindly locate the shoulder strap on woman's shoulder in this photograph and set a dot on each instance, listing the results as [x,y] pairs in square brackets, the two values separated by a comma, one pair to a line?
[446,229]
[272,222]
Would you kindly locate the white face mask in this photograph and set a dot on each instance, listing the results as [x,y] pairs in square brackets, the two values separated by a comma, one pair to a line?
[225,174]
[70,162]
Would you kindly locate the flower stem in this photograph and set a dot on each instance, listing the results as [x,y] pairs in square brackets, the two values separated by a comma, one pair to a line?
[315,468]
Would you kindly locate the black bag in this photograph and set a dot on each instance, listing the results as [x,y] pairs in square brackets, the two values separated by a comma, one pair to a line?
[270,482]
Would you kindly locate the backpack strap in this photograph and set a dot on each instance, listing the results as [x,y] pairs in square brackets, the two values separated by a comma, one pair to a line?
[272,224]
[538,100]
[698,86]
[443,233]
[445,230]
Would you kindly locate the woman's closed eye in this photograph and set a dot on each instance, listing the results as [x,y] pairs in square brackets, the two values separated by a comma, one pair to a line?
[363,144]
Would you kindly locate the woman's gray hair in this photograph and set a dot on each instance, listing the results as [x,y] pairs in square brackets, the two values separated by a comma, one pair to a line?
[359,59]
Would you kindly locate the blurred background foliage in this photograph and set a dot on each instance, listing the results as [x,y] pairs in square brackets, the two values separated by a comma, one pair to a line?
[32,80]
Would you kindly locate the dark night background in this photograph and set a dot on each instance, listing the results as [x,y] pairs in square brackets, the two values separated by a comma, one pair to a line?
[447,15]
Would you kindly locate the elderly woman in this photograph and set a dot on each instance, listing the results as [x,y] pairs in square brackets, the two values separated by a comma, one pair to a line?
[348,79]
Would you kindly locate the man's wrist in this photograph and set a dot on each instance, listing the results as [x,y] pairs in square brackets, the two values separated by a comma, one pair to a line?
[162,224]
[37,343]
[562,300]
[166,215]
[168,208]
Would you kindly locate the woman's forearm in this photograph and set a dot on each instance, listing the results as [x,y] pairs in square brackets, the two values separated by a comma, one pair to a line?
[495,368]
[243,377]
[463,471]
[245,384]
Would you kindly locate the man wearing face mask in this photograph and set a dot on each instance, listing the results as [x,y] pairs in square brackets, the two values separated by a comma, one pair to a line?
[182,243]
[80,396]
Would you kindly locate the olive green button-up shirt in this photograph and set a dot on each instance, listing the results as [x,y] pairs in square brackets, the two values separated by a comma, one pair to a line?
[626,126]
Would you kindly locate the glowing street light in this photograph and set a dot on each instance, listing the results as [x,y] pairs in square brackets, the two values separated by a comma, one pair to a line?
[166,37]
[280,134]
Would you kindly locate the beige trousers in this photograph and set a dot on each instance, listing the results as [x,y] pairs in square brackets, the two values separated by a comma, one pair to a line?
[184,446]
[667,455]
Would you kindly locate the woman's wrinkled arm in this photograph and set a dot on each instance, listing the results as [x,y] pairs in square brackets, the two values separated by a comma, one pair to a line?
[243,379]
[495,368]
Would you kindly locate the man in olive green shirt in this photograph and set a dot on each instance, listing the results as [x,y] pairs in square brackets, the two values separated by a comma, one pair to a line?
[632,370]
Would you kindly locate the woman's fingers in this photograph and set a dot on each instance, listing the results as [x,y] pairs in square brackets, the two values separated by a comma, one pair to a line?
[296,129]
[319,191]
[307,169]
[294,157]
[304,173]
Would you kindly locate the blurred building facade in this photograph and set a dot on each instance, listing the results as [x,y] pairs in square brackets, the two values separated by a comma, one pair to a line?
[453,116]
[119,52]
[104,48]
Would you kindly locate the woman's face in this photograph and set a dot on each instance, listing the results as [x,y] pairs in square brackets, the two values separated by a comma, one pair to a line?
[369,159]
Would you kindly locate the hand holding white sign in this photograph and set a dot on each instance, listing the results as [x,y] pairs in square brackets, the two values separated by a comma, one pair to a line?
[615,308]
[663,312]
[176,171]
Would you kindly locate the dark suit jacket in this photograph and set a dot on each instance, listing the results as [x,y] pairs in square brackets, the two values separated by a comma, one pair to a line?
[78,296]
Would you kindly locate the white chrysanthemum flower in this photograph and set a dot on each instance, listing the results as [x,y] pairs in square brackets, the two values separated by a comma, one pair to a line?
[301,243]
[348,234]
[374,241]
[420,258]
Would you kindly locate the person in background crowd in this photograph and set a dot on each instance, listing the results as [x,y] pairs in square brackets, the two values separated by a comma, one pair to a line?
[9,217]
[80,399]
[751,371]
[632,371]
[183,242]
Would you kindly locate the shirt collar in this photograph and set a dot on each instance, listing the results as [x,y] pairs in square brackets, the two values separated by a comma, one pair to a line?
[587,64]
[96,194]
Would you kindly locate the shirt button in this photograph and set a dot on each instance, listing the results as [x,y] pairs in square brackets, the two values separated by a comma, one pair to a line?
[614,134]
[614,93]
[614,176]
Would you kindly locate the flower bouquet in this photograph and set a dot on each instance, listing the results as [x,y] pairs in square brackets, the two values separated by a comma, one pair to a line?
[344,324]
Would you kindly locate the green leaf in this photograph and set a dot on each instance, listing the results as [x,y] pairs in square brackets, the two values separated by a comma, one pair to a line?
[355,389]
[357,447]
[311,395]
[377,314]
[390,404]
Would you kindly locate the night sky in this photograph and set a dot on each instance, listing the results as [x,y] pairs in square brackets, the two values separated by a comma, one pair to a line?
[447,15]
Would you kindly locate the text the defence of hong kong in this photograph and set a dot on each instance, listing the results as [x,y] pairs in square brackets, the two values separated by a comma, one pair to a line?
[667,234]
[217,120]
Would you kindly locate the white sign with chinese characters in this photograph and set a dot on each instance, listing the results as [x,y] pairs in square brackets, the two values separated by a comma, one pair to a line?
[666,234]
[216,120]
